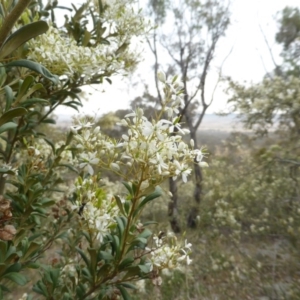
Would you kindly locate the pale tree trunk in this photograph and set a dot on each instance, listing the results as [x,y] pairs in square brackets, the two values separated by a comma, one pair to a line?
[173,206]
[194,210]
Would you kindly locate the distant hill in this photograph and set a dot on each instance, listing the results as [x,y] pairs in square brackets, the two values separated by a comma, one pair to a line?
[210,122]
[221,123]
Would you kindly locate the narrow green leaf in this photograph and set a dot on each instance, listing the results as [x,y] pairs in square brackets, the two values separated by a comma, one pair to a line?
[14,268]
[157,193]
[12,113]
[124,293]
[32,249]
[21,36]
[8,126]
[40,288]
[3,267]
[120,226]
[29,92]
[128,187]
[125,263]
[150,223]
[16,277]
[134,188]
[70,167]
[9,96]
[84,257]
[144,268]
[3,77]
[126,207]
[55,274]
[106,256]
[25,86]
[49,121]
[35,101]
[116,244]
[50,144]
[36,67]
[145,234]
[128,285]
[120,204]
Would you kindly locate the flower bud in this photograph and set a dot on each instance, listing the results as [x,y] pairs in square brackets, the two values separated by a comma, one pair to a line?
[161,76]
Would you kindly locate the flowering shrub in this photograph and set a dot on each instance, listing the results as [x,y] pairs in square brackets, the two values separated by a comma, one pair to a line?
[84,236]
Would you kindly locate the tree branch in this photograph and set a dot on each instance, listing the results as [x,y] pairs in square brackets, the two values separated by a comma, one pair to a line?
[268,46]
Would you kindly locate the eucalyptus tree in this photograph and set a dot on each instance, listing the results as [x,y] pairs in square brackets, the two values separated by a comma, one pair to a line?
[185,42]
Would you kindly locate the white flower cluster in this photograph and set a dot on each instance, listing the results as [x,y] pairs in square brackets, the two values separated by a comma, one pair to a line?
[123,16]
[97,209]
[62,56]
[151,150]
[168,255]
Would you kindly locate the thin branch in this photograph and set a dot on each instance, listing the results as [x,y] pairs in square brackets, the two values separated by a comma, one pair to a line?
[156,65]
[297,163]
[263,64]
[220,75]
[268,46]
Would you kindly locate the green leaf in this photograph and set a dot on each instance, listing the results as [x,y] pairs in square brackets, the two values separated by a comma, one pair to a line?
[144,268]
[129,285]
[8,126]
[2,269]
[9,97]
[145,234]
[125,263]
[150,223]
[12,113]
[3,77]
[32,249]
[120,225]
[70,167]
[49,121]
[27,82]
[126,207]
[16,277]
[84,257]
[50,143]
[116,244]
[54,274]
[40,288]
[34,66]
[128,187]
[21,36]
[106,256]
[157,193]
[25,91]
[120,204]
[93,256]
[16,268]
[124,293]
[35,101]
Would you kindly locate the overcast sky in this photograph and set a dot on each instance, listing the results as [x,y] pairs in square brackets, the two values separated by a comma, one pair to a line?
[248,61]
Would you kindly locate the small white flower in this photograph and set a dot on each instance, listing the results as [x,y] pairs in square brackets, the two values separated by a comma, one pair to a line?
[88,159]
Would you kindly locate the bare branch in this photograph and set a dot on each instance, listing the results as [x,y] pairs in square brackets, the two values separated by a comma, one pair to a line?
[268,46]
[220,75]
[156,66]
